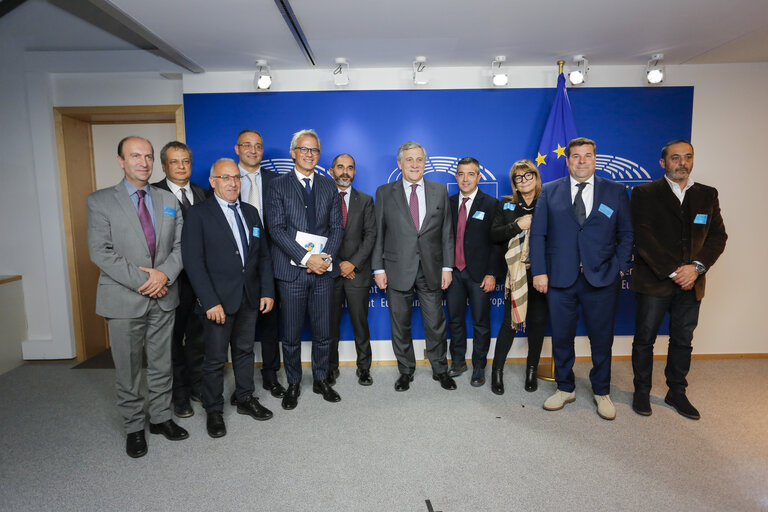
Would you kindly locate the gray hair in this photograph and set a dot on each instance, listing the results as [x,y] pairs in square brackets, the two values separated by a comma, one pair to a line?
[410,145]
[302,133]
[174,144]
[219,161]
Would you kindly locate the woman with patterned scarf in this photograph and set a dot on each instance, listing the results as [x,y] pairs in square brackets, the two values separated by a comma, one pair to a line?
[524,307]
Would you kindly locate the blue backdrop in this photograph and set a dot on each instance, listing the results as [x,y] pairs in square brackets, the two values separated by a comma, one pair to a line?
[496,126]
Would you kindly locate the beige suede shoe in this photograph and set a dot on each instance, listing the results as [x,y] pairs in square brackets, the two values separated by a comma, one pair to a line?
[558,400]
[605,408]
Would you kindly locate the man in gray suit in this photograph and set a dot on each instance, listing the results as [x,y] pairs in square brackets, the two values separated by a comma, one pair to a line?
[414,251]
[355,269]
[134,237]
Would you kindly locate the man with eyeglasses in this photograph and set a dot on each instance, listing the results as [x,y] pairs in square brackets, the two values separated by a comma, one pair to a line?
[228,263]
[134,237]
[254,189]
[414,252]
[187,346]
[581,247]
[304,208]
[679,235]
[477,262]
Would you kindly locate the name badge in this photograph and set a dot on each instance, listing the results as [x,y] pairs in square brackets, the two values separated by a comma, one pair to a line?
[701,218]
[171,212]
[605,210]
[510,206]
[256,232]
[479,215]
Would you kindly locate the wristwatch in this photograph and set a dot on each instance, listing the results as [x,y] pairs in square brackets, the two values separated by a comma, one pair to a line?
[700,268]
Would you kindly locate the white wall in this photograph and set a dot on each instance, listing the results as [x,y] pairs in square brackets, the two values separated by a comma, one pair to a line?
[729,117]
[106,137]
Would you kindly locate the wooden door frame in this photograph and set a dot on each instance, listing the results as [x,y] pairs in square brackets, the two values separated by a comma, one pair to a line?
[134,114]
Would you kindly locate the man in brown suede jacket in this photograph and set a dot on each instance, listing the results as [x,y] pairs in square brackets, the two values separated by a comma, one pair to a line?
[679,234]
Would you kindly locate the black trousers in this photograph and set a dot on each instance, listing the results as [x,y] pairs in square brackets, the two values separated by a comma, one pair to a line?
[535,324]
[268,333]
[683,311]
[357,298]
[463,288]
[187,346]
[236,333]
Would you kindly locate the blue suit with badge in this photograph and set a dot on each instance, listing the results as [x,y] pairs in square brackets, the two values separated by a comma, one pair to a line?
[582,262]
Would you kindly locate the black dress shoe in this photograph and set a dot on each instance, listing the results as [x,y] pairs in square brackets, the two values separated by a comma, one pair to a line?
[183,409]
[446,382]
[403,383]
[321,387]
[169,429]
[233,399]
[681,404]
[332,376]
[457,370]
[215,425]
[275,389]
[136,444]
[291,397]
[641,404]
[478,377]
[254,409]
[497,382]
[364,377]
[531,383]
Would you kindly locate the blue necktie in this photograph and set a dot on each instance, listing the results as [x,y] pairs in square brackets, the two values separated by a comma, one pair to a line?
[307,187]
[240,228]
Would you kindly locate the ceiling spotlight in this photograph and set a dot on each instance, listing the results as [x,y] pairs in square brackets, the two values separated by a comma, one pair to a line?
[654,72]
[578,75]
[420,76]
[500,79]
[262,80]
[341,72]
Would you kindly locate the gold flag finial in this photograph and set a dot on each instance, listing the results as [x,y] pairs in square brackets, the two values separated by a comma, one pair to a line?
[560,65]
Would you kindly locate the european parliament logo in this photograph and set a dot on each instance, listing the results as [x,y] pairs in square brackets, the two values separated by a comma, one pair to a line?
[286,165]
[442,169]
[622,170]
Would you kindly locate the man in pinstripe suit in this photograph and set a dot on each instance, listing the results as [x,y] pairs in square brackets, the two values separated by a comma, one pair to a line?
[303,201]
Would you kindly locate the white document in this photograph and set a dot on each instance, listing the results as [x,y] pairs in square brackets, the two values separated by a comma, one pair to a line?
[314,244]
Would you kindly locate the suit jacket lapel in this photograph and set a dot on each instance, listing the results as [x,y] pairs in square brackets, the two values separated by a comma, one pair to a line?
[398,190]
[157,204]
[563,190]
[218,215]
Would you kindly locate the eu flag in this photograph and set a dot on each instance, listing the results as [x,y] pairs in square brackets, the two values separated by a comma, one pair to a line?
[560,129]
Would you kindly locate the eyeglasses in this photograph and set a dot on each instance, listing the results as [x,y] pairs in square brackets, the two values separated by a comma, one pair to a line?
[226,178]
[314,151]
[528,176]
[247,146]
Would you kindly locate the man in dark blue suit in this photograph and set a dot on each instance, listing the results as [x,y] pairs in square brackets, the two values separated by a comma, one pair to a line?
[254,189]
[304,203]
[228,264]
[581,246]
[477,263]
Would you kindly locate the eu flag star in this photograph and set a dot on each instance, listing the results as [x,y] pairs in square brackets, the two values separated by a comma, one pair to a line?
[541,159]
[560,150]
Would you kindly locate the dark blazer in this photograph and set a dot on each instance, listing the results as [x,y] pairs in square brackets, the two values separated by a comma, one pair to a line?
[359,237]
[660,223]
[286,216]
[213,263]
[603,245]
[400,248]
[483,257]
[198,193]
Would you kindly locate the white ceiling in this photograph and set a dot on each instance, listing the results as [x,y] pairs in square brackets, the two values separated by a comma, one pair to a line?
[232,34]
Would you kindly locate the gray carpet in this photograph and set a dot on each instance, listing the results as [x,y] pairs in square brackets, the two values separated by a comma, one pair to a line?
[62,448]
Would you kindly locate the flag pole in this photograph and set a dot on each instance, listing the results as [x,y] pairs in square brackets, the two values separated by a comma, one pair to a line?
[539,373]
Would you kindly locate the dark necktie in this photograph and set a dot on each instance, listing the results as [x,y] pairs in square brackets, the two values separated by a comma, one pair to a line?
[240,228]
[461,227]
[413,203]
[146,224]
[307,186]
[343,208]
[309,205]
[578,205]
[184,200]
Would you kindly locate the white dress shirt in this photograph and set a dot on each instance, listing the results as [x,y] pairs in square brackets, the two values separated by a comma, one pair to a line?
[679,193]
[470,202]
[420,194]
[587,195]
[176,190]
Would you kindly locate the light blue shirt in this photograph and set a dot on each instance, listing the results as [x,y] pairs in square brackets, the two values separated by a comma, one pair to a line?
[230,216]
[147,200]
